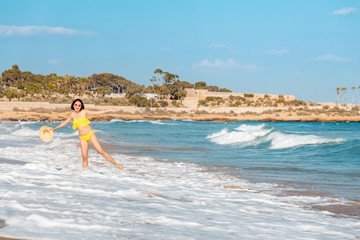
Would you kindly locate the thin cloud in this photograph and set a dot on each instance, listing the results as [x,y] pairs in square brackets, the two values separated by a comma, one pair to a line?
[218,45]
[345,11]
[332,58]
[277,52]
[229,63]
[54,61]
[38,30]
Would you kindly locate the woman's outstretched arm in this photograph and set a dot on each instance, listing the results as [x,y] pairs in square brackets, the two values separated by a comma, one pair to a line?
[62,123]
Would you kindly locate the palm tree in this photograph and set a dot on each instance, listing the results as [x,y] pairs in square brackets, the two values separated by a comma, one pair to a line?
[337,95]
[352,98]
[342,95]
[345,89]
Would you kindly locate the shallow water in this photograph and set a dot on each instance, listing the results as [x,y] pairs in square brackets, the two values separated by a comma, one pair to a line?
[183,180]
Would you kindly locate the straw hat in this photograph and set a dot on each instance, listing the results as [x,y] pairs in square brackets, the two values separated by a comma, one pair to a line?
[45,134]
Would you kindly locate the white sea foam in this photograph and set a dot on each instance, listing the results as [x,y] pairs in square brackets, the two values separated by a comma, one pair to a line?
[249,128]
[116,120]
[280,140]
[159,122]
[260,133]
[218,134]
[242,134]
[25,132]
[52,198]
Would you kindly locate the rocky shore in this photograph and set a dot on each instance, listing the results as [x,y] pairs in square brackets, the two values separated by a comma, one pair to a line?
[58,112]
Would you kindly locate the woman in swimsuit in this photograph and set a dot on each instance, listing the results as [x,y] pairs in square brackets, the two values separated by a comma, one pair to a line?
[86,134]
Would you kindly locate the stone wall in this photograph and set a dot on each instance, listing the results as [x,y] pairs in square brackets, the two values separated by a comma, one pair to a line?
[201,94]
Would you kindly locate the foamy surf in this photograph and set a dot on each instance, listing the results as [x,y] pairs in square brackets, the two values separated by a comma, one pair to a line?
[50,197]
[280,140]
[261,133]
[152,199]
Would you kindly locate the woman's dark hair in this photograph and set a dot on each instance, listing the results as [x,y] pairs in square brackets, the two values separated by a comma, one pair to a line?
[82,104]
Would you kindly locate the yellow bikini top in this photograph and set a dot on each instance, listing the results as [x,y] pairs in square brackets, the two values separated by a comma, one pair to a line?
[80,122]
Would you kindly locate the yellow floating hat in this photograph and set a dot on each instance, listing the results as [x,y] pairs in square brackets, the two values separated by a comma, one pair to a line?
[46,134]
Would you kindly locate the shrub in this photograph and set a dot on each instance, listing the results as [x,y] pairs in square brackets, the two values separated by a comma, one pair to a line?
[155,105]
[201,112]
[163,103]
[203,103]
[236,104]
[175,103]
[139,101]
[248,95]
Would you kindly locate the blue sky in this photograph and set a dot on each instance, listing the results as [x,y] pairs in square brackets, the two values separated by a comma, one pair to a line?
[304,48]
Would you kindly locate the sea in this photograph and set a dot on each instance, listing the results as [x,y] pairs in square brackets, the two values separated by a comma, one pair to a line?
[183,180]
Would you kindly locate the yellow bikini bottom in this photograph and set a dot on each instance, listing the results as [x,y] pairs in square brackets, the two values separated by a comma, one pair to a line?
[87,136]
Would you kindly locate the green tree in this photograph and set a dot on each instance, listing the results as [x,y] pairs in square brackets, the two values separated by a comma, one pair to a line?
[133,89]
[200,85]
[12,77]
[139,101]
[187,84]
[352,98]
[337,95]
[224,90]
[159,73]
[342,95]
[176,90]
[169,78]
[33,88]
[102,91]
[212,88]
[10,94]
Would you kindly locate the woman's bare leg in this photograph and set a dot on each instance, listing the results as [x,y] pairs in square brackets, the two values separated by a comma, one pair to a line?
[95,142]
[84,152]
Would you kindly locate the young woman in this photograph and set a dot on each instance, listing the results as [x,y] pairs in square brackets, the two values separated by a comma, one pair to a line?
[86,134]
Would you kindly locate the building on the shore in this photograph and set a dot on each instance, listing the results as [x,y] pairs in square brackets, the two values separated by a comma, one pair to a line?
[150,95]
[115,95]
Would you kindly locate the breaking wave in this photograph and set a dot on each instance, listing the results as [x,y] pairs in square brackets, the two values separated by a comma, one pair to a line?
[262,133]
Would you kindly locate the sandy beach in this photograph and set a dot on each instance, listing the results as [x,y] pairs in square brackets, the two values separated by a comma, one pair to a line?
[39,111]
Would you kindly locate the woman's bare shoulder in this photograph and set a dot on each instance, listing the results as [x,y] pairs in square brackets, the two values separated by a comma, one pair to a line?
[71,114]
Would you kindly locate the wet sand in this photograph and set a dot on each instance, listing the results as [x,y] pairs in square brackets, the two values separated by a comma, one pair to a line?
[2,225]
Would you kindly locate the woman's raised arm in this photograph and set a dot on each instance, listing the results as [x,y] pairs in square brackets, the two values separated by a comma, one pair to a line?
[63,123]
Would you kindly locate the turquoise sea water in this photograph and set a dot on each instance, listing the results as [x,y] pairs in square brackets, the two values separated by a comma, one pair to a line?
[183,180]
[322,158]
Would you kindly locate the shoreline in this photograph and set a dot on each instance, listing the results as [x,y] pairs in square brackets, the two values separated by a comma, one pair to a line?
[15,116]
[43,111]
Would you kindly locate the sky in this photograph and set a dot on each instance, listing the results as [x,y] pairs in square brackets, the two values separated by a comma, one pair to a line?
[304,48]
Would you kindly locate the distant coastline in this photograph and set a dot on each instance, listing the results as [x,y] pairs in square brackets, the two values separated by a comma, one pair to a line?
[42,111]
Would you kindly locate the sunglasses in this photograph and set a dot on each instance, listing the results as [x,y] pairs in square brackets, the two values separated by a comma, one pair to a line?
[77,105]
